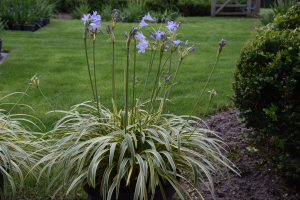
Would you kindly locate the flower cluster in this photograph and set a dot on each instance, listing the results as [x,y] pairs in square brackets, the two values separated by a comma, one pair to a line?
[94,21]
[159,37]
[35,81]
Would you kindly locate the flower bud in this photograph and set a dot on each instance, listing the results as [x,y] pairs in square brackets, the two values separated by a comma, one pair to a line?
[212,94]
[35,81]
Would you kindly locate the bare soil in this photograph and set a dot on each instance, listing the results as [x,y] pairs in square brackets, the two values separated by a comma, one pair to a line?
[253,183]
[62,16]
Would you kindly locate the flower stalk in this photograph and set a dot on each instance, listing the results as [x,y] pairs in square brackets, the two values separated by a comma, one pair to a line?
[94,62]
[150,105]
[113,74]
[19,100]
[149,70]
[133,84]
[87,61]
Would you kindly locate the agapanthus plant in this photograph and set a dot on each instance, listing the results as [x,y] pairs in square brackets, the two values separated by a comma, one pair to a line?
[140,147]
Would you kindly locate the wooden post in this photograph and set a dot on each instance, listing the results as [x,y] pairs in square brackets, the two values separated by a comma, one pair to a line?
[249,2]
[213,8]
[257,8]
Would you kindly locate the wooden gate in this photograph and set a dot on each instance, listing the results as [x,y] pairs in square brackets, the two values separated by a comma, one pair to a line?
[245,9]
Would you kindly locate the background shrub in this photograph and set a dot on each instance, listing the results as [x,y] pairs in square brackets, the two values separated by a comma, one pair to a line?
[195,7]
[267,90]
[289,20]
[79,11]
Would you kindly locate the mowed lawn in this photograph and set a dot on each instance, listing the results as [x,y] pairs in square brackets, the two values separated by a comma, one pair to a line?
[56,52]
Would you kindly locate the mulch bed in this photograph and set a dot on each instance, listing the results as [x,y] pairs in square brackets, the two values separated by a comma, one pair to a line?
[253,184]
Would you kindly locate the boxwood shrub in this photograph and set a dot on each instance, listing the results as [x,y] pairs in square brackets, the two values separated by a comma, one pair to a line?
[267,93]
[290,20]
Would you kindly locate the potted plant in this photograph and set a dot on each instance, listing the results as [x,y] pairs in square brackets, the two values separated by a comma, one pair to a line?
[140,151]
[16,18]
[29,19]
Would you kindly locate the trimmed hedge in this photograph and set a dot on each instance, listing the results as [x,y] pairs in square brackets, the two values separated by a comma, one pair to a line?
[267,91]
[186,7]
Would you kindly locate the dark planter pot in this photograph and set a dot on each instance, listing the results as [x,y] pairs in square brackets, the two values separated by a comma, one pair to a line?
[38,24]
[94,194]
[9,26]
[45,22]
[17,27]
[30,27]
[1,186]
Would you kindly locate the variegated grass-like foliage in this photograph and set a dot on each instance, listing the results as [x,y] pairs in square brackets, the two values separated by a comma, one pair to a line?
[93,148]
[16,148]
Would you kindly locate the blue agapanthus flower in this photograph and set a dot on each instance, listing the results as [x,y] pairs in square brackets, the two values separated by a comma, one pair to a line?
[222,43]
[176,42]
[172,26]
[148,17]
[92,20]
[143,23]
[142,46]
[140,36]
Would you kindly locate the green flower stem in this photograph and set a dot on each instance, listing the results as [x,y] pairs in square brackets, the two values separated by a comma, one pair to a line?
[134,76]
[87,61]
[95,78]
[126,89]
[19,100]
[149,70]
[48,102]
[199,121]
[150,105]
[169,92]
[165,62]
[212,71]
[113,75]
[170,61]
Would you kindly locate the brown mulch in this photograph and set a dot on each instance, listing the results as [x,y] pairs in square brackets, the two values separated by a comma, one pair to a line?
[254,183]
[62,16]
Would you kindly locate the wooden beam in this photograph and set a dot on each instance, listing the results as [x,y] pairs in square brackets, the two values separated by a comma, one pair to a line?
[233,5]
[249,2]
[223,6]
[213,8]
[232,13]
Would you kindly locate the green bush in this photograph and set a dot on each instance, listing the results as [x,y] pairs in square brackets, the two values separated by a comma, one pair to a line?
[161,5]
[281,7]
[289,20]
[266,18]
[133,13]
[267,90]
[79,11]
[195,7]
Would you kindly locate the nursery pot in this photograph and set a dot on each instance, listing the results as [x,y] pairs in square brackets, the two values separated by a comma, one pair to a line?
[45,22]
[38,24]
[9,26]
[94,193]
[17,27]
[1,185]
[29,27]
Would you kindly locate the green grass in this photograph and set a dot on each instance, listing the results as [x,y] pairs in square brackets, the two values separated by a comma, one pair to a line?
[265,10]
[56,52]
